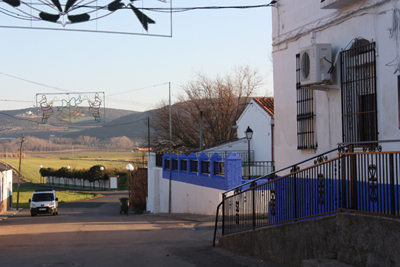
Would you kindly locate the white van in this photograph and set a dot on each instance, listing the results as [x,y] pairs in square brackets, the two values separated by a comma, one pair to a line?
[44,202]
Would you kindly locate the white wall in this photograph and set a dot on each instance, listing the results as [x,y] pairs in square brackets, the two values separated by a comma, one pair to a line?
[6,189]
[185,198]
[296,25]
[260,122]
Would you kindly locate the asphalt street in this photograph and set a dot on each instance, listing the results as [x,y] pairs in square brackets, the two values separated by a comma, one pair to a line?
[94,233]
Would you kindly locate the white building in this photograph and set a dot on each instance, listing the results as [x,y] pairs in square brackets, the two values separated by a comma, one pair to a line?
[259,116]
[6,189]
[336,74]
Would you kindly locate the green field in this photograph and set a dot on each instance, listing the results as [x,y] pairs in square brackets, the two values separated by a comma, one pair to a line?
[25,194]
[30,165]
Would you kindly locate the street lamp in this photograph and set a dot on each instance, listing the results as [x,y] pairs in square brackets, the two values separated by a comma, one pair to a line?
[130,168]
[66,181]
[249,135]
[101,169]
[40,179]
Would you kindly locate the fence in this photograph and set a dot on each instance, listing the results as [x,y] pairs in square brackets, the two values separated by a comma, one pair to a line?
[257,168]
[356,179]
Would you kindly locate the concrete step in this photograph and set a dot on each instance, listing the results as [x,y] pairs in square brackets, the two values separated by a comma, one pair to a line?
[323,263]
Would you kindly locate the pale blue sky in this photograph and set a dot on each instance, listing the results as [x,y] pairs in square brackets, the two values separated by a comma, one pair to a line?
[210,41]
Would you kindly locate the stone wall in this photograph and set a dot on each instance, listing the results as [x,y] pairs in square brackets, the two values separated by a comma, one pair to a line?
[355,239]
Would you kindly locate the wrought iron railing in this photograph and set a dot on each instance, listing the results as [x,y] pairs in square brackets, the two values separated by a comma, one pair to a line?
[353,179]
[257,168]
[244,154]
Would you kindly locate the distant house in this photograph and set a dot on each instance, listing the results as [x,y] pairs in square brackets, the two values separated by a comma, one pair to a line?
[6,189]
[259,116]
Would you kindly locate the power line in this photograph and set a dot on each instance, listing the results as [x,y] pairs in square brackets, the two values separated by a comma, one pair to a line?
[8,100]
[138,89]
[41,84]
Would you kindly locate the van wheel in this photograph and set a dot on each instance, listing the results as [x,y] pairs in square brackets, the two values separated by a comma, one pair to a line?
[33,214]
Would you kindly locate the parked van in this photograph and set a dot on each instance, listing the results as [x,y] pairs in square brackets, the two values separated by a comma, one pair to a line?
[44,202]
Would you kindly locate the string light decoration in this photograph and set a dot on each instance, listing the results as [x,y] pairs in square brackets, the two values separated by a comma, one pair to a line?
[65,14]
[70,107]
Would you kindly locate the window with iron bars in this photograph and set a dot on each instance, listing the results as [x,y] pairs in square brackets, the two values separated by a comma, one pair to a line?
[359,107]
[306,133]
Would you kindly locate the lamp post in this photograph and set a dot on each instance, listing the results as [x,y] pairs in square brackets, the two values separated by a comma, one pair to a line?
[19,169]
[101,169]
[249,135]
[68,167]
[130,168]
[40,178]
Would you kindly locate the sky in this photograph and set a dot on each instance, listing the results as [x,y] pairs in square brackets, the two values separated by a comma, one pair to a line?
[133,70]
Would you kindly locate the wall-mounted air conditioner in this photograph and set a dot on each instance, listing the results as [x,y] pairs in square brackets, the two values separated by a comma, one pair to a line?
[336,4]
[315,62]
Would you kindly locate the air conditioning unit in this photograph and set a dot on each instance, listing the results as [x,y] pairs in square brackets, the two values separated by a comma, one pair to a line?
[336,4]
[315,62]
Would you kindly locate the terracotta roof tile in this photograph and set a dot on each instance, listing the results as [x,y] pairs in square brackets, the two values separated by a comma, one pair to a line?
[267,103]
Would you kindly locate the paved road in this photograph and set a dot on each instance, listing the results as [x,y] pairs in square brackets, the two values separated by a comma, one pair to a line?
[93,233]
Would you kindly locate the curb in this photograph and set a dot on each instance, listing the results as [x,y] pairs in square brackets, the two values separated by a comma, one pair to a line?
[9,213]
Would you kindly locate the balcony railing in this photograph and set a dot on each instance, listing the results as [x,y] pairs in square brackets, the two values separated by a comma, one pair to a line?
[356,179]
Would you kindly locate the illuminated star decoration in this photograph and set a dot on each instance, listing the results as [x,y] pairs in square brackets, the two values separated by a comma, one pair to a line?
[71,12]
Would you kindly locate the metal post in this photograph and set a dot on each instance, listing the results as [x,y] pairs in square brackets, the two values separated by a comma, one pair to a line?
[353,179]
[392,191]
[170,151]
[201,130]
[148,138]
[253,185]
[223,213]
[248,154]
[19,169]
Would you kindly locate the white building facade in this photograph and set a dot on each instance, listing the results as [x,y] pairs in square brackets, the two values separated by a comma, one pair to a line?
[336,75]
[259,116]
[6,190]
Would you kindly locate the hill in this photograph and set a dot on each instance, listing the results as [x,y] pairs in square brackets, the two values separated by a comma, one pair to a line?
[28,121]
[133,126]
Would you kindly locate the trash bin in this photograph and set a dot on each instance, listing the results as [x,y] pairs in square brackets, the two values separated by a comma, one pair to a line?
[123,205]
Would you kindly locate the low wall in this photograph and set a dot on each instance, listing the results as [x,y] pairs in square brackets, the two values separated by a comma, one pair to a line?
[355,239]
[196,192]
[185,197]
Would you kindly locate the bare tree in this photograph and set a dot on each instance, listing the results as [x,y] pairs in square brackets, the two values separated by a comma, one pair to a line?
[121,142]
[222,100]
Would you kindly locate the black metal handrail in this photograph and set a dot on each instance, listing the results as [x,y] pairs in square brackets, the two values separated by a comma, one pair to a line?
[366,180]
[273,174]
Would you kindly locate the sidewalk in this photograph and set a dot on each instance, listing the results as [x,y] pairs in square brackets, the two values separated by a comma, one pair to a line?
[9,213]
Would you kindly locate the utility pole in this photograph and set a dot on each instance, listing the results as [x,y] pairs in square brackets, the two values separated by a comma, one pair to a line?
[170,150]
[201,130]
[148,136]
[19,169]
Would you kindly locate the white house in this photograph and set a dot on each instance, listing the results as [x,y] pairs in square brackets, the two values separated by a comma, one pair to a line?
[336,70]
[6,189]
[259,117]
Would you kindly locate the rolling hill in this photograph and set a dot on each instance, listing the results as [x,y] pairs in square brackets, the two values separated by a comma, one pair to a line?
[115,122]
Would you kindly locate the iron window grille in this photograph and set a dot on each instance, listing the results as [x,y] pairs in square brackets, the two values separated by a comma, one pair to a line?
[166,164]
[205,167]
[306,134]
[194,166]
[219,168]
[175,164]
[359,105]
[184,165]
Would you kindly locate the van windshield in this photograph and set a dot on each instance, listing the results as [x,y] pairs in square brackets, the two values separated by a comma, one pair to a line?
[42,197]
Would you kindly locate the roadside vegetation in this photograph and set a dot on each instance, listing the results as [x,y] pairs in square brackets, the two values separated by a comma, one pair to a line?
[110,160]
[25,193]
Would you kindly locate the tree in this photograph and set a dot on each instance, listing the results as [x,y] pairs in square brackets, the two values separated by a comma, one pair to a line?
[222,100]
[121,142]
